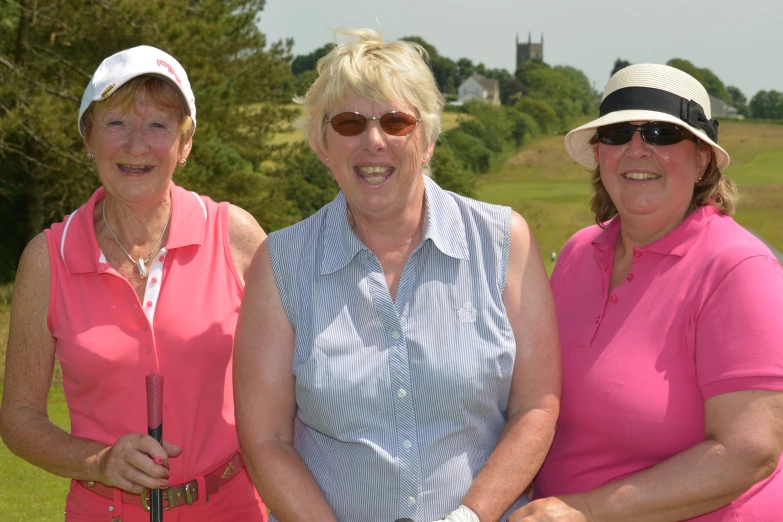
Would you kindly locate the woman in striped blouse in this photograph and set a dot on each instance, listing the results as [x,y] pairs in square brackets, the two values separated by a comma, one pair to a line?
[397,353]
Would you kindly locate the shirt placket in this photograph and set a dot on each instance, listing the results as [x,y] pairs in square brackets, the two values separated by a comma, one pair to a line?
[148,355]
[611,299]
[392,316]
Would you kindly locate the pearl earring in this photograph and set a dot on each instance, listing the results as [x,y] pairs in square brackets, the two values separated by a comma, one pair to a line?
[90,156]
[182,163]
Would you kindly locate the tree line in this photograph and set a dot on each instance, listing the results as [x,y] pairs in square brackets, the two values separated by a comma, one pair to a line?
[763,105]
[244,86]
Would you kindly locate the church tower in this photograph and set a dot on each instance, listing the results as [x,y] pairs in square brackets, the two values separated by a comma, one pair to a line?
[529,51]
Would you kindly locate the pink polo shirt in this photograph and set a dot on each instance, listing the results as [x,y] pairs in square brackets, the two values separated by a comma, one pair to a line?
[698,316]
[107,342]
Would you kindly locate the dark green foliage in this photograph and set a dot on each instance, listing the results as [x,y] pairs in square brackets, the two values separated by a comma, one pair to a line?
[443,69]
[738,100]
[618,65]
[705,76]
[510,90]
[523,126]
[468,149]
[243,86]
[565,89]
[48,51]
[308,62]
[450,173]
[305,182]
[543,114]
[767,105]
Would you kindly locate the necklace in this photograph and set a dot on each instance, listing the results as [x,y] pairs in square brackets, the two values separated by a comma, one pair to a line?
[141,264]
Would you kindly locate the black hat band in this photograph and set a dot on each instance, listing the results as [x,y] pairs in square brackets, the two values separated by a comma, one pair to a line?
[650,99]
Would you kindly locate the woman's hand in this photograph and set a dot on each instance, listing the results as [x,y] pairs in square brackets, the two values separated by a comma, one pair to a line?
[566,508]
[136,462]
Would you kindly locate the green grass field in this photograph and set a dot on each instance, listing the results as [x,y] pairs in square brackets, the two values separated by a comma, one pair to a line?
[543,184]
[552,192]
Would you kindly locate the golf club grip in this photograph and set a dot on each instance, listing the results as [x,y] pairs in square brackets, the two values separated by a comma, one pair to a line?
[155,430]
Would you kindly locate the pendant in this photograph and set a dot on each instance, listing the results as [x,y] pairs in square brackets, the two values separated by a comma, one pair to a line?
[142,266]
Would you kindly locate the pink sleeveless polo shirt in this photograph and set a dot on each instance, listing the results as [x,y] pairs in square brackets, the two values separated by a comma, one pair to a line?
[107,342]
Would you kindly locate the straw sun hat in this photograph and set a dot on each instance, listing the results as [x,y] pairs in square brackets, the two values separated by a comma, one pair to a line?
[650,92]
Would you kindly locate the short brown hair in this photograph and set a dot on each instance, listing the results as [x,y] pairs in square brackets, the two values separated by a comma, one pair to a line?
[714,189]
[160,92]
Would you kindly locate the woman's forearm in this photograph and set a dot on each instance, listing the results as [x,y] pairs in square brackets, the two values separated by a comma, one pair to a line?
[513,463]
[33,437]
[696,481]
[285,483]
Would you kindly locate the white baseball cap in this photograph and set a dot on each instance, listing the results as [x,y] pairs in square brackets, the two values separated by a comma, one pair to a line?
[122,67]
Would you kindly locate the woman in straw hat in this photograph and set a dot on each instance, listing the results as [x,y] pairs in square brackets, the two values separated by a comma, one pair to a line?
[669,316]
[146,277]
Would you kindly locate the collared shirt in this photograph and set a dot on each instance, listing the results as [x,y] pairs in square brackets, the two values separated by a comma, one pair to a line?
[107,342]
[400,402]
[698,315]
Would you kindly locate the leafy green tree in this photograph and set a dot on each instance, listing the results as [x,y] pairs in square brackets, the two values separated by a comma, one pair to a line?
[48,52]
[469,150]
[581,92]
[308,62]
[564,89]
[523,126]
[510,90]
[306,183]
[443,69]
[544,115]
[450,173]
[739,100]
[706,77]
[465,70]
[618,65]
[501,75]
[767,105]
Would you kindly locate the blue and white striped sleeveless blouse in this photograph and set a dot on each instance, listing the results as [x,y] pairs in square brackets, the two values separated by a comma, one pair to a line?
[399,403]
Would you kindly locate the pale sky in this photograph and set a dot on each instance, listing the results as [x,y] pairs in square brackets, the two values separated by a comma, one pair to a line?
[740,41]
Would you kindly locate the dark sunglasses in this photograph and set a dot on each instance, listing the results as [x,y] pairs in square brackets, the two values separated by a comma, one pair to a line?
[393,123]
[659,133]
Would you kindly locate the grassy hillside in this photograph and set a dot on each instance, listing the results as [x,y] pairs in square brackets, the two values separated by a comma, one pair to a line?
[552,192]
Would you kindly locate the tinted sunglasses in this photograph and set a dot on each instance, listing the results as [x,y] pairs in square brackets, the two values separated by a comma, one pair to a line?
[655,133]
[393,123]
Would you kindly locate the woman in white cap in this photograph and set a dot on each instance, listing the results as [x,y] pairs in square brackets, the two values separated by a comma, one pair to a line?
[145,278]
[670,322]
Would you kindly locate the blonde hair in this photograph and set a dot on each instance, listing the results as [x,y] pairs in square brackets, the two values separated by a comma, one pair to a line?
[375,71]
[713,189]
[160,92]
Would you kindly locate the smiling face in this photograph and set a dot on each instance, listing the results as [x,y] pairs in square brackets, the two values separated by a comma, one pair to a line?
[651,182]
[379,174]
[136,150]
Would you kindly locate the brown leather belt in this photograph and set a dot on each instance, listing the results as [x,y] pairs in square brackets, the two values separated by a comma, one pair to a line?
[180,495]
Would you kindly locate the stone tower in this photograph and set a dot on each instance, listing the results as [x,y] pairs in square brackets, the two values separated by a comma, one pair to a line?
[529,51]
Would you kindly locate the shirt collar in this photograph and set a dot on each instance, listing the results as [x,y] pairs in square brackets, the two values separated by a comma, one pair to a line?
[79,244]
[443,225]
[676,243]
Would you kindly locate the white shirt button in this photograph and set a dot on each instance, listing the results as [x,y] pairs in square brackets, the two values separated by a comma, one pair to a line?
[407,444]
[411,501]
[401,393]
[396,335]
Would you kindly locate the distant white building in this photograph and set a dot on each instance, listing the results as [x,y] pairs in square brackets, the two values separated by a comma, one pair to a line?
[477,87]
[721,109]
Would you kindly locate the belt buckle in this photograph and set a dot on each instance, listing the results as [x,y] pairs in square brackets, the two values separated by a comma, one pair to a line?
[167,495]
[189,489]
